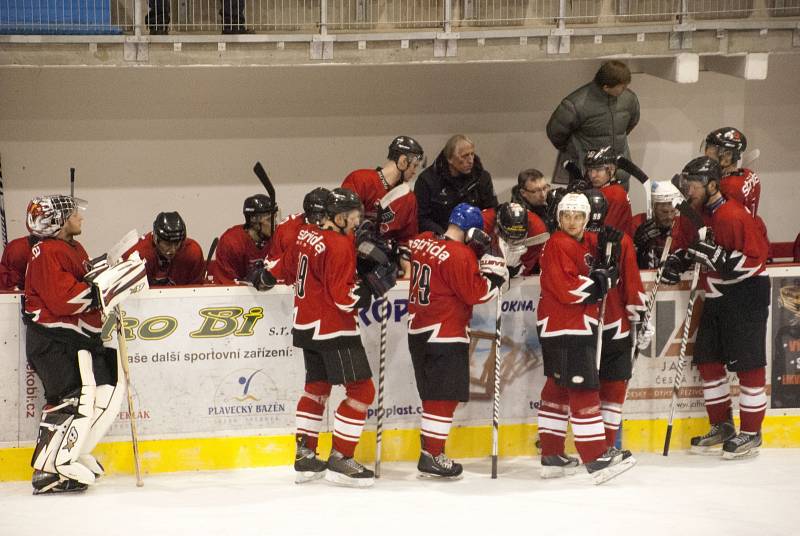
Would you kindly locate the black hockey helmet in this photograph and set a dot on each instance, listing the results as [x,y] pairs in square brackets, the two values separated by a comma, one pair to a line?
[170,227]
[703,169]
[600,157]
[599,206]
[512,221]
[405,145]
[258,204]
[730,139]
[341,200]
[314,204]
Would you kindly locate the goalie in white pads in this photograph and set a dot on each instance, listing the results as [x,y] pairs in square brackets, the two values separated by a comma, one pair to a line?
[81,377]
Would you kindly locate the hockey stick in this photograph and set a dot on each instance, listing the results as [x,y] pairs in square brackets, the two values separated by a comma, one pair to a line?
[651,301]
[536,240]
[123,358]
[600,320]
[115,256]
[210,255]
[386,311]
[632,169]
[682,357]
[261,173]
[72,182]
[750,157]
[498,341]
[3,208]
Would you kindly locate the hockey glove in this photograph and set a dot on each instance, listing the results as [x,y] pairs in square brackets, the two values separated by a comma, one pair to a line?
[646,233]
[369,255]
[645,335]
[117,283]
[674,266]
[494,268]
[364,295]
[708,254]
[381,279]
[478,240]
[261,279]
[609,236]
[603,280]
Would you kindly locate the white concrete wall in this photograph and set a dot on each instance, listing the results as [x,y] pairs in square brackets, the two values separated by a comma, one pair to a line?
[150,139]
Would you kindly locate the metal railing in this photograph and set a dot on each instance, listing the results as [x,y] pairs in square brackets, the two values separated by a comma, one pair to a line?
[42,17]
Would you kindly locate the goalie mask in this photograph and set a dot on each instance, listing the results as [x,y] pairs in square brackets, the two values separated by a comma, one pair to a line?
[47,214]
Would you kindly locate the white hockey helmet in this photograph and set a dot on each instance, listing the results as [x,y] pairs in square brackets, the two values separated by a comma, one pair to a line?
[47,214]
[665,192]
[576,203]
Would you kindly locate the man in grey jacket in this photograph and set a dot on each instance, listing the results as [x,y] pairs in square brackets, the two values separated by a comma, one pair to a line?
[599,114]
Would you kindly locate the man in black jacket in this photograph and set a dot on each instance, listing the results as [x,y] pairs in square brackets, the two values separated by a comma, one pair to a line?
[457,176]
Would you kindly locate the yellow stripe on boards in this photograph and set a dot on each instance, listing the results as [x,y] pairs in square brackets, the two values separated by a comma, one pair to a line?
[220,453]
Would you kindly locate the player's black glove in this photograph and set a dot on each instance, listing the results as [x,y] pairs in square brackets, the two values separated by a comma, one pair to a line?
[674,266]
[364,294]
[646,233]
[709,254]
[260,277]
[603,279]
[381,279]
[608,245]
[479,241]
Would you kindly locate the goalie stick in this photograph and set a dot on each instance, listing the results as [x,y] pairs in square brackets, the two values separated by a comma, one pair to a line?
[114,256]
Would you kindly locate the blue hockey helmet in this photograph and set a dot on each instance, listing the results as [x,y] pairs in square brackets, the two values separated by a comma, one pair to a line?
[466,217]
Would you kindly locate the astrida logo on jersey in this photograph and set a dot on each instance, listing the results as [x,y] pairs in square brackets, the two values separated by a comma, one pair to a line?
[431,248]
[313,238]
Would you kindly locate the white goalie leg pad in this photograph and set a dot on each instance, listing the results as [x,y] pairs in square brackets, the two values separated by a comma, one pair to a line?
[107,402]
[118,282]
[77,433]
[52,427]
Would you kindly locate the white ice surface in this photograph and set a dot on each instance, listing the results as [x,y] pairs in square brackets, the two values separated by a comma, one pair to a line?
[679,495]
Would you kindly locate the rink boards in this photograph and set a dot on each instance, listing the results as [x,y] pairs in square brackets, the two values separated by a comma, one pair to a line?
[216,380]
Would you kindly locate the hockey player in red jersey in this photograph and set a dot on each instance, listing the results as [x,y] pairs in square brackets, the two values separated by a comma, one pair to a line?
[513,226]
[242,248]
[83,389]
[726,145]
[601,167]
[447,280]
[650,235]
[15,262]
[732,332]
[625,304]
[322,265]
[172,258]
[388,200]
[573,281]
[286,233]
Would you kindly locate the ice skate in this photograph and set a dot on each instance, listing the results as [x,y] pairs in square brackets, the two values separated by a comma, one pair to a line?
[306,464]
[610,464]
[558,465]
[348,472]
[711,443]
[44,482]
[442,467]
[743,445]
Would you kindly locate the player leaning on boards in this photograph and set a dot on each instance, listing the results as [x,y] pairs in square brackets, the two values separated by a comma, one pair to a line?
[388,200]
[322,265]
[572,283]
[82,378]
[243,247]
[446,281]
[732,332]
